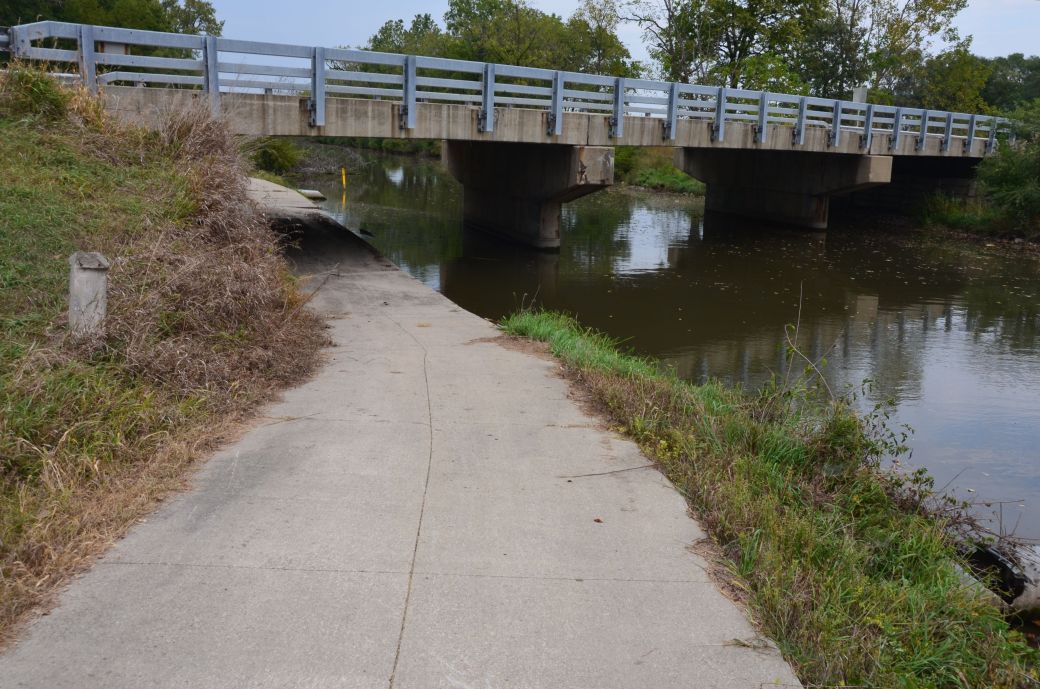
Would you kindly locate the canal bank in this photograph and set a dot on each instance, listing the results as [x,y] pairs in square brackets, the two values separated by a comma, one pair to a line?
[433,509]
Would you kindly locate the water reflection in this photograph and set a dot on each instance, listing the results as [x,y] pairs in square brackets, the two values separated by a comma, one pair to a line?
[948,333]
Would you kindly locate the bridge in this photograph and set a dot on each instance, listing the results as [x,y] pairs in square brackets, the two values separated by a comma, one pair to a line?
[522,140]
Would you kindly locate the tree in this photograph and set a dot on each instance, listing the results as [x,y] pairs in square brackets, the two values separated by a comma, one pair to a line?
[1014,80]
[952,80]
[595,47]
[422,37]
[191,16]
[738,43]
[512,32]
[875,42]
[678,36]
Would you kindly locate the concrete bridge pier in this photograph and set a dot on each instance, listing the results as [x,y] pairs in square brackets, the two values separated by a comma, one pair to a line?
[516,190]
[791,187]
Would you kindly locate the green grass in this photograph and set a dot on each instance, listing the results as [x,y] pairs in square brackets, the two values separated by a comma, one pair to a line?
[971,216]
[843,568]
[652,168]
[203,321]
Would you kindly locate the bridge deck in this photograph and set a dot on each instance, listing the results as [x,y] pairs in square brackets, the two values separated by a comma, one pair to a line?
[311,90]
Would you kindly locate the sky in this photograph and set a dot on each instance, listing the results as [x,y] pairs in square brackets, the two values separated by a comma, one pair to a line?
[999,27]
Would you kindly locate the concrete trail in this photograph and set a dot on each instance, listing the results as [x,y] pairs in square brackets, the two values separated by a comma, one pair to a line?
[432,510]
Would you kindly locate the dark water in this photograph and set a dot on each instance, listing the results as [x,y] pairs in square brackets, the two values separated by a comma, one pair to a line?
[949,333]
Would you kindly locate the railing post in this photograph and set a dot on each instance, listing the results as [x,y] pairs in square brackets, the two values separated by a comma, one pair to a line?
[835,136]
[672,118]
[763,118]
[486,119]
[407,116]
[555,127]
[897,130]
[718,132]
[923,133]
[617,121]
[87,63]
[318,88]
[19,42]
[799,128]
[867,137]
[948,134]
[991,143]
[970,141]
[212,76]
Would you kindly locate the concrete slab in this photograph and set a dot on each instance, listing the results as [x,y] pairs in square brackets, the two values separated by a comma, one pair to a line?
[176,627]
[423,513]
[593,634]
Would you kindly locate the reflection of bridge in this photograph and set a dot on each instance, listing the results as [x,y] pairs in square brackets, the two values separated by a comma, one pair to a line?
[524,140]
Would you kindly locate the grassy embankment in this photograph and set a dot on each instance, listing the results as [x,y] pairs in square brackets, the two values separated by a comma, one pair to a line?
[204,321]
[653,168]
[840,563]
[1008,204]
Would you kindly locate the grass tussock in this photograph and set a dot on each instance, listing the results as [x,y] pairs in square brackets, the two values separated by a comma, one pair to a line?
[203,321]
[842,564]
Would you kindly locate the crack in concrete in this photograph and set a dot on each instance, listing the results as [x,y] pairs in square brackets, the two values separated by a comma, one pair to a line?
[422,507]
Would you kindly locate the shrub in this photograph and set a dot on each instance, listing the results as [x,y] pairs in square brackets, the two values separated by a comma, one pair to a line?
[275,154]
[28,92]
[1011,179]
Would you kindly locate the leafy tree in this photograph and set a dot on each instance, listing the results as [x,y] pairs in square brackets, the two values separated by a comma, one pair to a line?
[422,37]
[186,16]
[952,80]
[1014,80]
[738,43]
[512,32]
[877,42]
[1011,179]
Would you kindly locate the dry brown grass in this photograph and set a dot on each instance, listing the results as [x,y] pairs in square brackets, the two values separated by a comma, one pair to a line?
[204,323]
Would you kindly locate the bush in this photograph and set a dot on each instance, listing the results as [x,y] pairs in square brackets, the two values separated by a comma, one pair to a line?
[1011,179]
[275,154]
[28,92]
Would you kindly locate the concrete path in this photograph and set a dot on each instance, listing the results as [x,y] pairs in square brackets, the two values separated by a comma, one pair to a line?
[431,511]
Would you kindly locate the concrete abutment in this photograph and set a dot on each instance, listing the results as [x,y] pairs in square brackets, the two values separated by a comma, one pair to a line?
[791,187]
[516,190]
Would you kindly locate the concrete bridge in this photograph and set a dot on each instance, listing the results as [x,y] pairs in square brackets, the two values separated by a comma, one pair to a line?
[523,140]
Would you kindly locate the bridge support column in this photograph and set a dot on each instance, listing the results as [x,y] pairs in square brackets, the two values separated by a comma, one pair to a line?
[516,190]
[791,187]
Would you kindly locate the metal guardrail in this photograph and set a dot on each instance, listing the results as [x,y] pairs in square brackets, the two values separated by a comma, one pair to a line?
[209,63]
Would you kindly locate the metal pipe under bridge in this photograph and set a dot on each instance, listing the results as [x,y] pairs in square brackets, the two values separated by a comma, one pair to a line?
[523,140]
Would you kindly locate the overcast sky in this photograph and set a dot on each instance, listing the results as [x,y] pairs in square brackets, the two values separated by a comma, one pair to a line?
[1000,27]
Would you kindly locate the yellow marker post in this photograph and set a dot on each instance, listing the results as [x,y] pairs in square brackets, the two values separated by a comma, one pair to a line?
[343,174]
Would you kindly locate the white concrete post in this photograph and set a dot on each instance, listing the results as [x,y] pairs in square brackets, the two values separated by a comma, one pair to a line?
[88,293]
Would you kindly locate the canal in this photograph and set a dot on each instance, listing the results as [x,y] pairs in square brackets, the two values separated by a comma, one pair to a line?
[949,333]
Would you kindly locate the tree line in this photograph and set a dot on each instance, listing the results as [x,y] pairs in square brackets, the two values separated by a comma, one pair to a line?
[176,16]
[905,52]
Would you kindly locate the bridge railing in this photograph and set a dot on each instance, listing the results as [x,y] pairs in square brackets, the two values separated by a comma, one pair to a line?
[106,55]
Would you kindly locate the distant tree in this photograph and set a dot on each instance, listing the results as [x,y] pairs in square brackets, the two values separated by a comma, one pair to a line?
[738,43]
[422,37]
[1014,80]
[512,32]
[188,16]
[952,80]
[593,42]
[880,43]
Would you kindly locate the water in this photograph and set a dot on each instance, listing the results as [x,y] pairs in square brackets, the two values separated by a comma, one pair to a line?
[949,333]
